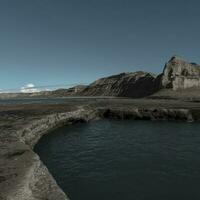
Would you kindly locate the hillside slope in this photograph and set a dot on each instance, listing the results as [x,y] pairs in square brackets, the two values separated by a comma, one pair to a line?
[136,84]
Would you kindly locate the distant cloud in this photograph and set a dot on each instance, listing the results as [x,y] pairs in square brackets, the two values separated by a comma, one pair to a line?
[29,88]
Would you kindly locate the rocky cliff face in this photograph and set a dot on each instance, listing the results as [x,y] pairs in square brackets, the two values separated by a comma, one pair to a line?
[179,74]
[137,84]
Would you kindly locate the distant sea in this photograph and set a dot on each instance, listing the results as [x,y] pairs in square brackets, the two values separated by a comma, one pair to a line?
[32,101]
[54,100]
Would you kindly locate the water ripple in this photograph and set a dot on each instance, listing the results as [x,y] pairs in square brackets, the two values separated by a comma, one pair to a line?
[125,160]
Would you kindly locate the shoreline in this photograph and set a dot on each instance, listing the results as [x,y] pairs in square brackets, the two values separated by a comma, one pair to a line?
[23,176]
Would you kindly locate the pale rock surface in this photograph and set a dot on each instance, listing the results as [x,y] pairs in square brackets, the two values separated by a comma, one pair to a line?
[179,74]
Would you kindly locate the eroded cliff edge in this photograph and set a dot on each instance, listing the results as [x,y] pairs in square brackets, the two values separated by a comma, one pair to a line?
[22,173]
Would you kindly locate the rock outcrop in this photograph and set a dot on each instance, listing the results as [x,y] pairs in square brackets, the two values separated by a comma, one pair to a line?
[136,84]
[179,74]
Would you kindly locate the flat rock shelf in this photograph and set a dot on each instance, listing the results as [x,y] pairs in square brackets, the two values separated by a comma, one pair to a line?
[22,174]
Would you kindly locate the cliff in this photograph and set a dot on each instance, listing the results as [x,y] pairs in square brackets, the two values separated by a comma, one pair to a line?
[179,74]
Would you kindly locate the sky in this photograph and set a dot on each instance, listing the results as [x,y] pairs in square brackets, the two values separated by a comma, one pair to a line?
[59,42]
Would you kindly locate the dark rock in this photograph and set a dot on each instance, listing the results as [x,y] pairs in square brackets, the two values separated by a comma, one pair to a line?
[136,84]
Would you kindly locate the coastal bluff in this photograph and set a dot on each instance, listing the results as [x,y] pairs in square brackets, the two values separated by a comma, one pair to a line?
[177,74]
[135,85]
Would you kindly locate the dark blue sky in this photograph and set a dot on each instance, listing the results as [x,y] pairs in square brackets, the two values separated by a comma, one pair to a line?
[67,41]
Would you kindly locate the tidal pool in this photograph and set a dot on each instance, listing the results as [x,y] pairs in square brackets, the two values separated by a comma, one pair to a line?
[125,160]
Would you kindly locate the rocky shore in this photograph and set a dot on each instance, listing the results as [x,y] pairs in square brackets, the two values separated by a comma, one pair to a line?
[23,175]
